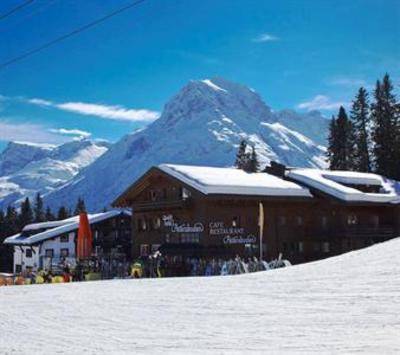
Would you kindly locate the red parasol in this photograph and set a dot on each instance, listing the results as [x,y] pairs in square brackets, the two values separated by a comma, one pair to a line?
[84,245]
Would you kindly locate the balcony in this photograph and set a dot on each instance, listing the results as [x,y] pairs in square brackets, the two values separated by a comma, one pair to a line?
[354,231]
[357,231]
[143,206]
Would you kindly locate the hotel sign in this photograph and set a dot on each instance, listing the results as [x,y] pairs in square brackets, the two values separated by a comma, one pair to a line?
[231,235]
[250,239]
[187,228]
[218,228]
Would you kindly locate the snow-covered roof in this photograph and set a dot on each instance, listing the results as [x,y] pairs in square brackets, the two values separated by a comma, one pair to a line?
[210,180]
[70,224]
[49,224]
[335,183]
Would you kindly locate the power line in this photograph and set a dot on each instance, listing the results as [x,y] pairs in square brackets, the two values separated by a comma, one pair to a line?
[39,8]
[70,34]
[15,9]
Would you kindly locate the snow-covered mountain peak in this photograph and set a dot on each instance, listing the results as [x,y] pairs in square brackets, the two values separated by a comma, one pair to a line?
[202,124]
[208,99]
[26,168]
[18,154]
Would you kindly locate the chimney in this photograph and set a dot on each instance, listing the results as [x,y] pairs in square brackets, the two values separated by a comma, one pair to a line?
[276,169]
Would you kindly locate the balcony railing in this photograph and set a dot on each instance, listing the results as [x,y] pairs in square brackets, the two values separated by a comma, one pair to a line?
[160,205]
[355,231]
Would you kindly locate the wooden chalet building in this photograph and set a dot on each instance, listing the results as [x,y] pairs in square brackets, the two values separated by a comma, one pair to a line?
[46,244]
[213,212]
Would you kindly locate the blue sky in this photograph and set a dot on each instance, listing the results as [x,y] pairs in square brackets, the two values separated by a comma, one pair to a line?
[114,78]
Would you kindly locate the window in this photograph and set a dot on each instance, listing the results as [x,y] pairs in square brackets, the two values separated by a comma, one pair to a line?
[375,220]
[49,253]
[235,221]
[185,193]
[153,195]
[299,220]
[18,268]
[324,221]
[326,247]
[28,253]
[296,247]
[64,238]
[282,220]
[64,252]
[142,226]
[155,247]
[144,249]
[352,219]
[189,238]
[156,223]
[165,195]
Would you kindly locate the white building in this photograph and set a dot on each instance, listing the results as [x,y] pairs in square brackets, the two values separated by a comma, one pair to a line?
[42,245]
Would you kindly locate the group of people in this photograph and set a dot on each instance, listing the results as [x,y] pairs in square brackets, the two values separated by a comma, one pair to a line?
[157,265]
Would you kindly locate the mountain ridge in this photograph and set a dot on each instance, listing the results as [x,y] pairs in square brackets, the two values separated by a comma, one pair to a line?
[202,124]
[26,168]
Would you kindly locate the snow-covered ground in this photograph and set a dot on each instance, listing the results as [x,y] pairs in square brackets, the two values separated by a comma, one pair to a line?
[347,304]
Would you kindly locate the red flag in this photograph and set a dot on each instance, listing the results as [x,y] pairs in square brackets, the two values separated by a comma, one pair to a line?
[84,245]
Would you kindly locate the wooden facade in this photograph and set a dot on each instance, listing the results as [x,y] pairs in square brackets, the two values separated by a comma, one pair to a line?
[173,217]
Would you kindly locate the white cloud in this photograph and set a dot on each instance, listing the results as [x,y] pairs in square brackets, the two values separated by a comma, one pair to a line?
[27,132]
[112,112]
[265,37]
[40,102]
[322,102]
[71,132]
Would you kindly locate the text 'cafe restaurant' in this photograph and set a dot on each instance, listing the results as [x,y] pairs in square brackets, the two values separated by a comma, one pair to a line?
[192,211]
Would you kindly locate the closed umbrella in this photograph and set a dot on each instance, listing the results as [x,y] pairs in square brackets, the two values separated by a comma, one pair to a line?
[261,226]
[84,245]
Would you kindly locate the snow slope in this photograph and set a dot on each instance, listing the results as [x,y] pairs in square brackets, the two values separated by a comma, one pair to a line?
[26,169]
[202,124]
[346,304]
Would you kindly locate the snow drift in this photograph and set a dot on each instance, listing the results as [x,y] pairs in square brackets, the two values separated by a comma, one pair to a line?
[345,304]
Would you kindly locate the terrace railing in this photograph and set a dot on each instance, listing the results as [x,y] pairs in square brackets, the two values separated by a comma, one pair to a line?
[161,204]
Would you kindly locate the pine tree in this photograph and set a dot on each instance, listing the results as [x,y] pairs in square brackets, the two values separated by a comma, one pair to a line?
[26,214]
[242,158]
[11,221]
[385,115]
[253,164]
[62,213]
[49,216]
[332,152]
[6,252]
[38,209]
[2,226]
[341,142]
[80,206]
[360,120]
